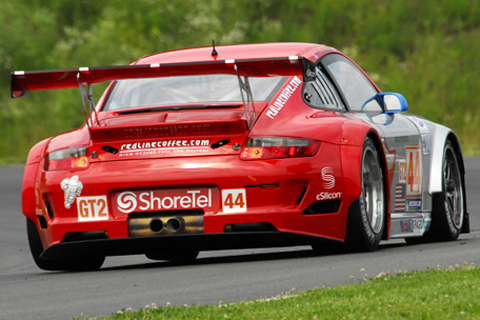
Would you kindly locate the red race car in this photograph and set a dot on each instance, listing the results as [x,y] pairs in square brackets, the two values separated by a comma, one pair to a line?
[239,146]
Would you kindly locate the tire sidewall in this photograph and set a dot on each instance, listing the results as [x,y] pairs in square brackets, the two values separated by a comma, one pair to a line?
[372,237]
[454,232]
[360,233]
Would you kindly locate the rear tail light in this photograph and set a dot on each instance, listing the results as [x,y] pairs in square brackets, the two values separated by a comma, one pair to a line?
[277,148]
[67,159]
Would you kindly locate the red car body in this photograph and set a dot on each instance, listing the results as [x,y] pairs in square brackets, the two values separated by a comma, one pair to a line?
[185,179]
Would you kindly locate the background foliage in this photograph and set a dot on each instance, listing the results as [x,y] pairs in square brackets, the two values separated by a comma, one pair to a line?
[426,50]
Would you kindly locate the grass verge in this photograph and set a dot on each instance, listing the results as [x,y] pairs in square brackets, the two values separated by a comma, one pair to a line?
[452,293]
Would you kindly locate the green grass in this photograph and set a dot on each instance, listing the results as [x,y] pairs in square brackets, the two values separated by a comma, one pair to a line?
[427,50]
[452,293]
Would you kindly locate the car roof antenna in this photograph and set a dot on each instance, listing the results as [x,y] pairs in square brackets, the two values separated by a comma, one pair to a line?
[214,52]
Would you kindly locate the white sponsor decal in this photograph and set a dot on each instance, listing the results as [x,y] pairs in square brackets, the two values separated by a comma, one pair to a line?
[164,144]
[92,208]
[72,187]
[128,201]
[328,178]
[282,99]
[329,196]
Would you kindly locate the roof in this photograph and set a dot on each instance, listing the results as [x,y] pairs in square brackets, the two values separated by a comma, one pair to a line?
[237,51]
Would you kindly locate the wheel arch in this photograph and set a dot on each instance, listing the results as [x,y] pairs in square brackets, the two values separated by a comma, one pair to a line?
[439,137]
[381,152]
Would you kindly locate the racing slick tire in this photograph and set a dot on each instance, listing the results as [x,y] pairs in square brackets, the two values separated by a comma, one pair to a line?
[366,217]
[449,206]
[181,256]
[80,264]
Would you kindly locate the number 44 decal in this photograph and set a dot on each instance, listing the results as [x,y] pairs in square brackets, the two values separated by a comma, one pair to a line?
[234,201]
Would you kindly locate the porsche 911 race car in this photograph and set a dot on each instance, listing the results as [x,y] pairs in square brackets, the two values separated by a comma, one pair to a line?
[238,146]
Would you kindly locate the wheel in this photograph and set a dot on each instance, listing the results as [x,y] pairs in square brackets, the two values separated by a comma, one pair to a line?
[449,205]
[80,264]
[181,256]
[366,218]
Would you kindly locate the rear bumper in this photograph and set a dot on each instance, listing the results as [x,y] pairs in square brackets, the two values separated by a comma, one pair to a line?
[287,193]
[143,245]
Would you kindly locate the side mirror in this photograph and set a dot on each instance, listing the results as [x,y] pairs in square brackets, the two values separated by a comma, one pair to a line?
[392,102]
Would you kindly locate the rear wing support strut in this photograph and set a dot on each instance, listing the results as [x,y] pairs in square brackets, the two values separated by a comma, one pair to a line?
[247,99]
[87,98]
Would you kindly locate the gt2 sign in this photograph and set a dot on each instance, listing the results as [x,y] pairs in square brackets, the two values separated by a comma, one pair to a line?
[92,208]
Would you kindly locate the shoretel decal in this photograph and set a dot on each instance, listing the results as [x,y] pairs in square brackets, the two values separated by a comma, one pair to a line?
[129,201]
[284,96]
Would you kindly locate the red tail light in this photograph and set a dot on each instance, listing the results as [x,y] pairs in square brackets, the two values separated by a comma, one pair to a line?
[67,159]
[277,148]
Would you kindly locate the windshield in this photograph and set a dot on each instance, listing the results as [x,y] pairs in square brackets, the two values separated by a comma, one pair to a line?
[204,89]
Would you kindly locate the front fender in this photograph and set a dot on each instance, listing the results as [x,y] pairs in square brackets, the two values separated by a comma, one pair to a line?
[438,137]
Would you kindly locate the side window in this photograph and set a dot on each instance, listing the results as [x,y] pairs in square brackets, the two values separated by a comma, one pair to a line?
[321,93]
[356,88]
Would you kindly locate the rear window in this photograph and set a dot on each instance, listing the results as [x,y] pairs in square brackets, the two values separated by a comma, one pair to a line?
[204,89]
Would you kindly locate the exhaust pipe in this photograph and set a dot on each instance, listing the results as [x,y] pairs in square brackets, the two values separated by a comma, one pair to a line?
[156,225]
[164,226]
[175,224]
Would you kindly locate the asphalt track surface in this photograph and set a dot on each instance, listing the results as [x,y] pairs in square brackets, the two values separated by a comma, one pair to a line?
[27,292]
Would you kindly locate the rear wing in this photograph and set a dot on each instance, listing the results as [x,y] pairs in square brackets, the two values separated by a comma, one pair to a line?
[23,81]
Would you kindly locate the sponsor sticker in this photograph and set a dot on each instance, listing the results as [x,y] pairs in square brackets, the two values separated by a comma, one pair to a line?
[411,225]
[234,201]
[328,178]
[422,127]
[72,188]
[152,148]
[414,204]
[160,200]
[329,196]
[414,171]
[425,145]
[92,208]
[287,92]
[165,144]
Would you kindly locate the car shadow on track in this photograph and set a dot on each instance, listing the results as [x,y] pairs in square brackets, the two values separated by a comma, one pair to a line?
[241,256]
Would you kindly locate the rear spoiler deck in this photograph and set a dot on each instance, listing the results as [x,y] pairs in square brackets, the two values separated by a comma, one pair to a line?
[23,81]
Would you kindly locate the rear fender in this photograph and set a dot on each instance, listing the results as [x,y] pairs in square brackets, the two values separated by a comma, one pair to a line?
[30,197]
[353,137]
